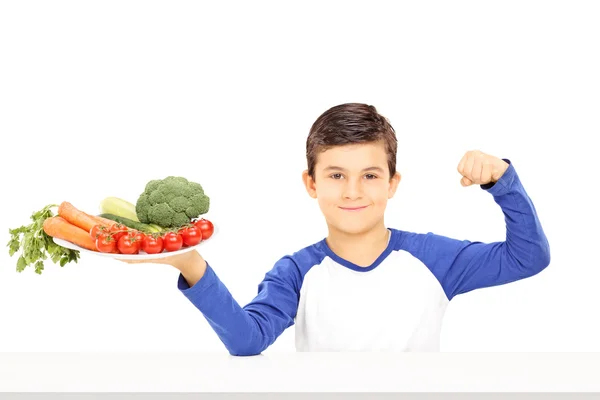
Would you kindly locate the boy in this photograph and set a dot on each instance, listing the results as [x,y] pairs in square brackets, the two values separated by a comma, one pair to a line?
[367,287]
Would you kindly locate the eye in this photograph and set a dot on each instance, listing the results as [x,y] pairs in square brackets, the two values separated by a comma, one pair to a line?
[336,176]
[370,176]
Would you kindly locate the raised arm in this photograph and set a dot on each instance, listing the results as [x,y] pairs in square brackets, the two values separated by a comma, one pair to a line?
[462,266]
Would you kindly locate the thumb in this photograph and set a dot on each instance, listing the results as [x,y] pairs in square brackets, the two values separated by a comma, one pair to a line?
[466,181]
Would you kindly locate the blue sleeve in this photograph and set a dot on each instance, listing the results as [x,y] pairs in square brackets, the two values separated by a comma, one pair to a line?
[251,329]
[462,266]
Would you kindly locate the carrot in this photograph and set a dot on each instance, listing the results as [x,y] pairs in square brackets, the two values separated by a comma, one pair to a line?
[104,221]
[76,217]
[60,228]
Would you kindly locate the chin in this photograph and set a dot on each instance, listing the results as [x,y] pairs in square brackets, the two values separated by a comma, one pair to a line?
[352,228]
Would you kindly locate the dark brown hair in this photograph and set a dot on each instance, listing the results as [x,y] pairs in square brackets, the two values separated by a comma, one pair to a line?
[350,123]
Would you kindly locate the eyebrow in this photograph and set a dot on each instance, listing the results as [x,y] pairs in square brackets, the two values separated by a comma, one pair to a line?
[335,168]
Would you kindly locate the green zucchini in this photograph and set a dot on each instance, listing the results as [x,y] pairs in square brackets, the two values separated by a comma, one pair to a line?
[130,223]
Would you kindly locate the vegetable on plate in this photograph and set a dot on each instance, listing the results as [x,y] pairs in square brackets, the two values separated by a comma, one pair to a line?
[171,202]
[130,223]
[119,207]
[167,217]
[206,227]
[76,217]
[35,245]
[58,227]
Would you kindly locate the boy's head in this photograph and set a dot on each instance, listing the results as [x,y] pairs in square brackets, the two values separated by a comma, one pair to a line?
[351,156]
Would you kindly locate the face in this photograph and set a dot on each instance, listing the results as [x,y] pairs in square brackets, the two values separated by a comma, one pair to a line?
[352,186]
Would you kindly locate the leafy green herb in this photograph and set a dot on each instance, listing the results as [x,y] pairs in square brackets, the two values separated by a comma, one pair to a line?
[36,246]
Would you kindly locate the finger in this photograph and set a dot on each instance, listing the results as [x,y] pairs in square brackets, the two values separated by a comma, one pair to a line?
[461,165]
[468,170]
[477,167]
[486,172]
[466,181]
[127,261]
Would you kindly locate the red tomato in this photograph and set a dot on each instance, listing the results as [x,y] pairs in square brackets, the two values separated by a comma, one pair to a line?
[152,245]
[97,230]
[206,227]
[105,243]
[172,241]
[191,236]
[128,245]
[139,236]
[118,231]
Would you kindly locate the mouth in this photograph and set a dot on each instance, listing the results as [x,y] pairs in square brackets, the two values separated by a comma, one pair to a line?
[353,208]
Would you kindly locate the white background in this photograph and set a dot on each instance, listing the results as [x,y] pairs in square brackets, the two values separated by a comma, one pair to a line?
[97,98]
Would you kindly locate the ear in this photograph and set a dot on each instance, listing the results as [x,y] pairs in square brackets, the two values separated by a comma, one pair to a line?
[310,184]
[394,181]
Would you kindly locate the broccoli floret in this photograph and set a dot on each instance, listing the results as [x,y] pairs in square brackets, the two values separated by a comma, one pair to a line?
[171,202]
[161,212]
[169,197]
[171,187]
[141,208]
[156,197]
[196,187]
[180,203]
[152,186]
[180,219]
[200,204]
[176,179]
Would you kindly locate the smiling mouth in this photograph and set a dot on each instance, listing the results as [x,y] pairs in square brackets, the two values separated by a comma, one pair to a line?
[353,208]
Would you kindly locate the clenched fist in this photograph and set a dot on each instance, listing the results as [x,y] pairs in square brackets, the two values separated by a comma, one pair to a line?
[480,168]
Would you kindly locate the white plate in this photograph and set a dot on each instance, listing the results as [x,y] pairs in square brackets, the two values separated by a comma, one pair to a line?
[141,256]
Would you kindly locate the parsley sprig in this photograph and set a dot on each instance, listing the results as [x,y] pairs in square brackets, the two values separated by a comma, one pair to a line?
[36,246]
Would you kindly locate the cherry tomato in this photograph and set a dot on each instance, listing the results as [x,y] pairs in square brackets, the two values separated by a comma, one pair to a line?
[172,241]
[152,244]
[139,236]
[191,236]
[118,231]
[206,227]
[97,230]
[128,245]
[105,243]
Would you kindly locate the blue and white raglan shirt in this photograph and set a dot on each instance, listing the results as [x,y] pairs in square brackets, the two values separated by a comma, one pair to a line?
[396,304]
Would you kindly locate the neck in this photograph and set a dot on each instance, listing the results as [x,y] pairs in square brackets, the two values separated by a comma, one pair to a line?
[359,248]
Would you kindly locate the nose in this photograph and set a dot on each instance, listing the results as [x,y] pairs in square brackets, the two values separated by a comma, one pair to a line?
[352,189]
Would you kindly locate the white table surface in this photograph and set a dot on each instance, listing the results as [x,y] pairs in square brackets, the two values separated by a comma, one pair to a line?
[68,372]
